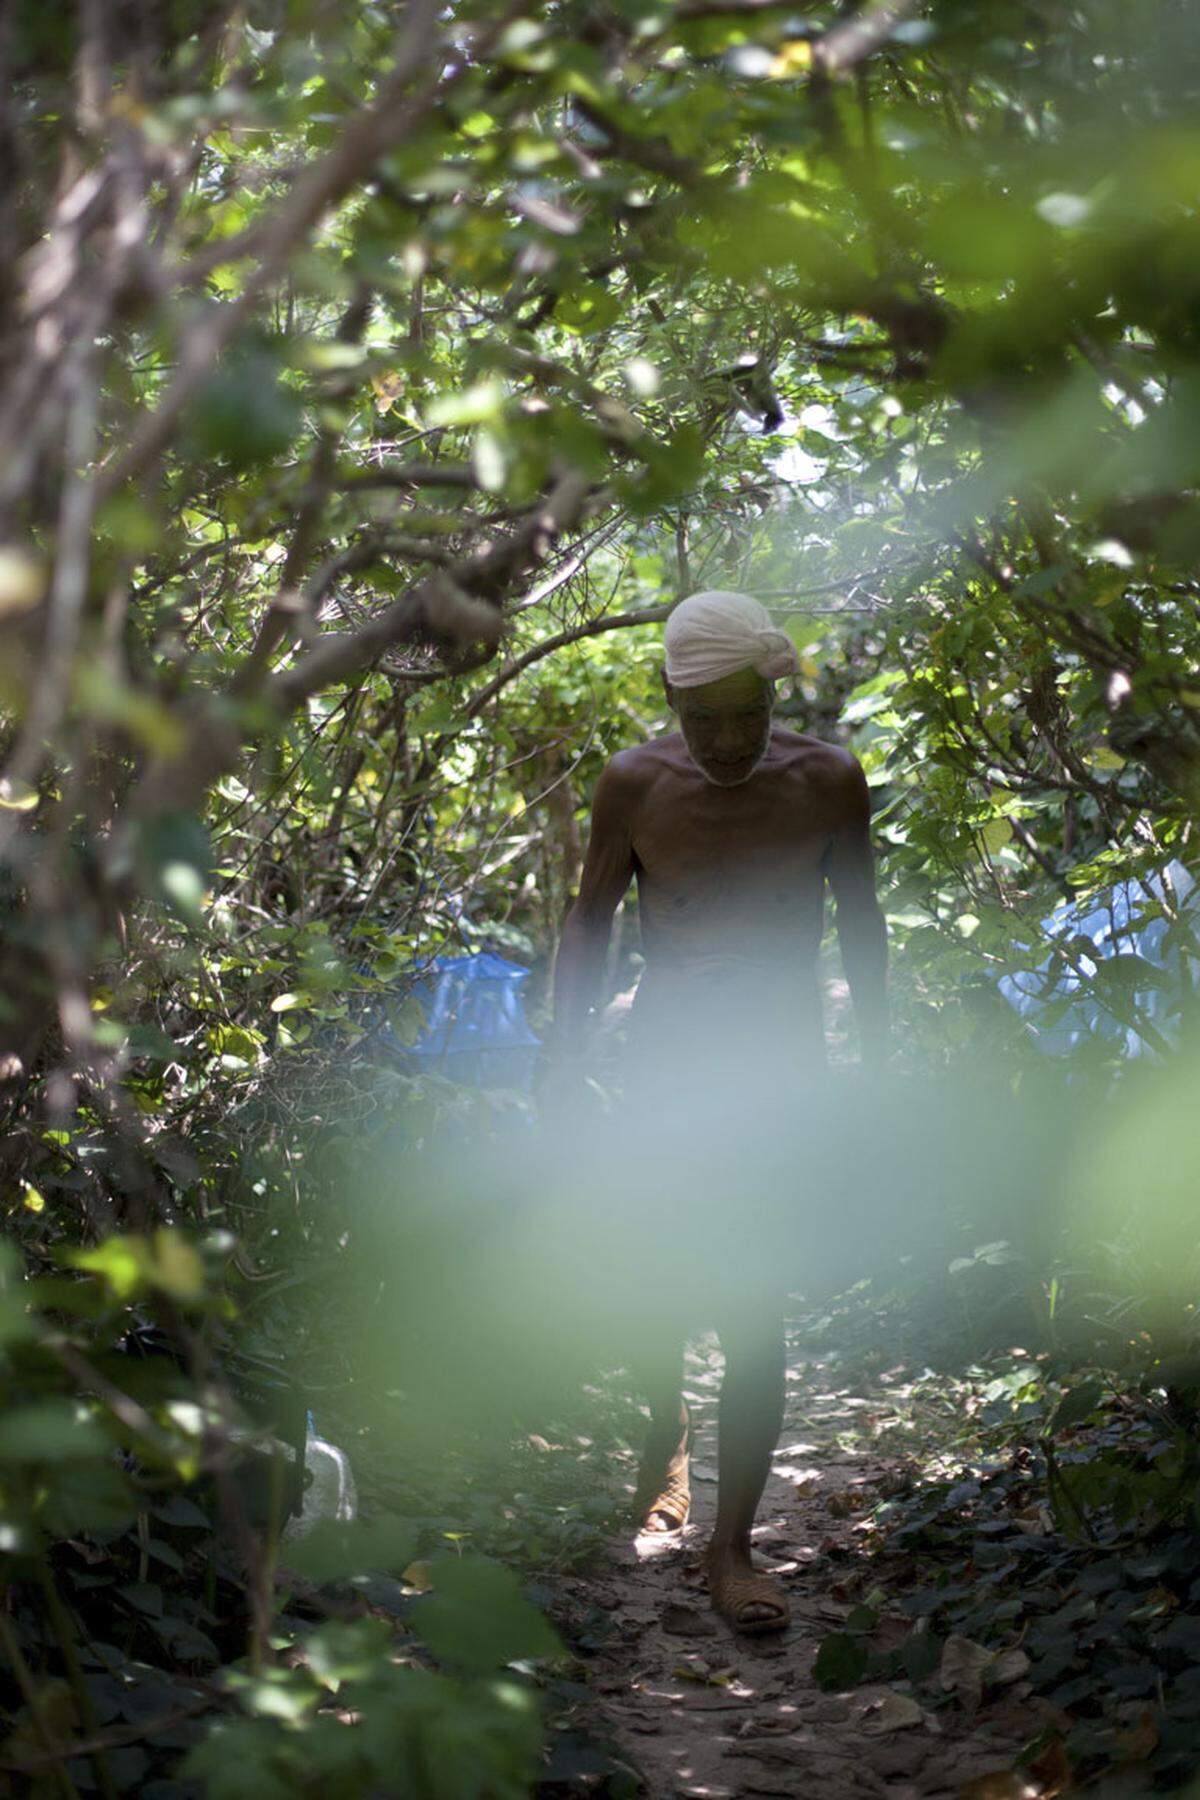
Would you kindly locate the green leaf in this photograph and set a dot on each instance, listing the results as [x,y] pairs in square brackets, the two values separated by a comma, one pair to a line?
[841,1661]
[1076,1405]
[280,1694]
[52,1431]
[241,1758]
[289,1002]
[921,1654]
[175,863]
[119,1261]
[130,1265]
[143,1596]
[478,1619]
[186,1642]
[335,1548]
[183,1514]
[587,309]
[347,1650]
[478,405]
[182,887]
[244,414]
[871,696]
[165,1553]
[89,1496]
[237,1042]
[995,835]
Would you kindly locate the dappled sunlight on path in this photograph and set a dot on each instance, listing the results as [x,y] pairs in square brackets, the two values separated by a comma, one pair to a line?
[699,1711]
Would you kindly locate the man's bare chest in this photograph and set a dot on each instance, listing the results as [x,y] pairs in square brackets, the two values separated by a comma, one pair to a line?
[760,837]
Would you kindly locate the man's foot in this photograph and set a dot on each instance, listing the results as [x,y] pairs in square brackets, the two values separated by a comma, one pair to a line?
[668,1509]
[748,1600]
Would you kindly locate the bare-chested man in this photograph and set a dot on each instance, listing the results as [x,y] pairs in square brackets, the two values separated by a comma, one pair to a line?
[731,826]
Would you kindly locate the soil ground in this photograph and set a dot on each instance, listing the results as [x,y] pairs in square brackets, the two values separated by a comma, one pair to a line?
[699,1711]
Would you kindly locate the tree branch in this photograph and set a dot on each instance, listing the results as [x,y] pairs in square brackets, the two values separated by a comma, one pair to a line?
[649,615]
[846,45]
[363,140]
[289,599]
[460,604]
[406,475]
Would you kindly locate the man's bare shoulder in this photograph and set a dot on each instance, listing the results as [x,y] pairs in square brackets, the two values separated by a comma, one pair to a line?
[816,758]
[631,770]
[629,775]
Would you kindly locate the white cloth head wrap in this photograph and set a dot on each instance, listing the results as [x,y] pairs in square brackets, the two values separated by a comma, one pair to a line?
[715,633]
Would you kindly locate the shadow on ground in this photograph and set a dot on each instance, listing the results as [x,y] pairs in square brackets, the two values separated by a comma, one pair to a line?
[951,1635]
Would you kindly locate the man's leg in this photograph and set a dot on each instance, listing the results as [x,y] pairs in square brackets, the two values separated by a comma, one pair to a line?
[751,1415]
[663,1496]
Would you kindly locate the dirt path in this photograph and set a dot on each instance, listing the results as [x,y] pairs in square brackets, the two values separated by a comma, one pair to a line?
[698,1711]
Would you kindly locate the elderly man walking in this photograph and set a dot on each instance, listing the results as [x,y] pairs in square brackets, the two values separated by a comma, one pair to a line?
[731,827]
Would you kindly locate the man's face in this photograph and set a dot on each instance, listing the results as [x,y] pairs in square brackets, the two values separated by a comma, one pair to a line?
[726,725]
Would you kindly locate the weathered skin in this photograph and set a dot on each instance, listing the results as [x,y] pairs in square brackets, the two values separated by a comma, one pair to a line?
[731,827]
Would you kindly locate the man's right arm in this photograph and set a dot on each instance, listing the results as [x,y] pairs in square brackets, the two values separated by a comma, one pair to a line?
[607,872]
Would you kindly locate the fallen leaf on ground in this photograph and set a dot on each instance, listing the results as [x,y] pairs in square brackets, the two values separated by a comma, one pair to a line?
[700,1671]
[1141,1742]
[685,1621]
[893,1482]
[1005,1784]
[968,1668]
[767,1725]
[804,1481]
[1005,1668]
[1022,1719]
[772,1751]
[961,1673]
[890,1633]
[1052,1770]
[891,1712]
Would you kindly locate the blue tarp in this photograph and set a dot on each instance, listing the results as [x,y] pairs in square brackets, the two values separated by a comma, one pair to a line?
[475,1031]
[1119,939]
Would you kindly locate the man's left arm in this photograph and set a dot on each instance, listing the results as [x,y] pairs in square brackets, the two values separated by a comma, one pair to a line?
[862,933]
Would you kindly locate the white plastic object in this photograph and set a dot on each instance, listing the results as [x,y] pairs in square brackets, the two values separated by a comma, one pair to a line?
[329,1492]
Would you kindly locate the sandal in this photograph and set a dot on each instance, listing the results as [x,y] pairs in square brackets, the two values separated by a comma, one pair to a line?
[735,1593]
[672,1506]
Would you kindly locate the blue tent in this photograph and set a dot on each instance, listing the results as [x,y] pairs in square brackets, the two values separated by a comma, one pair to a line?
[1121,942]
[475,1031]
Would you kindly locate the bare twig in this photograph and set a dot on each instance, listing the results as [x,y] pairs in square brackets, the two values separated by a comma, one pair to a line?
[409,475]
[289,600]
[113,1737]
[649,615]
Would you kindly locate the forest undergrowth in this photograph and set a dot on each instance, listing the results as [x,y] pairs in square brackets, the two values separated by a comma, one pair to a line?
[992,1563]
